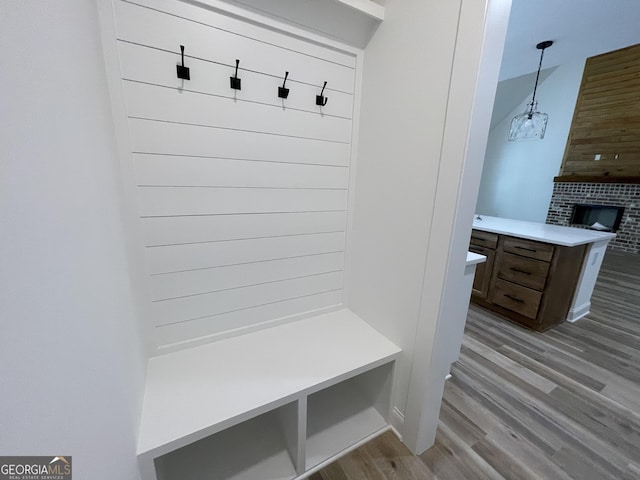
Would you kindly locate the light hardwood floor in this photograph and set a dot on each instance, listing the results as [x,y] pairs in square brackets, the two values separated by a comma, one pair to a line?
[563,404]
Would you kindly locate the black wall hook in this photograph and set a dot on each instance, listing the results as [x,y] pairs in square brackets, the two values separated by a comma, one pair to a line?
[235,82]
[183,72]
[282,91]
[320,99]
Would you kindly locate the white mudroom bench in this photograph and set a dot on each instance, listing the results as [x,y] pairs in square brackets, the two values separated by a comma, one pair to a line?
[277,403]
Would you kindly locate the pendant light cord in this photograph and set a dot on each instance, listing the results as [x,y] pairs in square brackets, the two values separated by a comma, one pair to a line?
[535,87]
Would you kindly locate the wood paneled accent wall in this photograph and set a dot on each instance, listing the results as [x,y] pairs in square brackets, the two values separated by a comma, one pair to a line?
[606,121]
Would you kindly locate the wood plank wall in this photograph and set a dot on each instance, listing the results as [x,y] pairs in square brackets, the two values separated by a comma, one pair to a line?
[606,120]
[242,195]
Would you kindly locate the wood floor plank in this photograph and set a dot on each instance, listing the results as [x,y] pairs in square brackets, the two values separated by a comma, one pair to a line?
[523,405]
[523,452]
[580,466]
[618,392]
[604,344]
[360,466]
[469,407]
[631,417]
[601,419]
[629,337]
[509,409]
[395,460]
[472,465]
[632,472]
[529,376]
[548,418]
[331,472]
[506,466]
[557,358]
[466,430]
[442,463]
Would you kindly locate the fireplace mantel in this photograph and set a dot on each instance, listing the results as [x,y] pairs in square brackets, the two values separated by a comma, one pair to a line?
[594,179]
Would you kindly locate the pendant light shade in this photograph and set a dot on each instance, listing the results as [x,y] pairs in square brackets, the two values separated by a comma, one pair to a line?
[531,123]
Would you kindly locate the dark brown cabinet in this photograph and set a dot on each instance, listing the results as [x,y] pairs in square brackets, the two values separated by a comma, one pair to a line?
[483,243]
[526,281]
[484,270]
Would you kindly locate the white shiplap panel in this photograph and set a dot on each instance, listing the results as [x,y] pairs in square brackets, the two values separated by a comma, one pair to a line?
[192,282]
[148,65]
[167,32]
[172,105]
[177,258]
[242,195]
[219,172]
[167,201]
[198,306]
[175,230]
[164,138]
[210,326]
[231,23]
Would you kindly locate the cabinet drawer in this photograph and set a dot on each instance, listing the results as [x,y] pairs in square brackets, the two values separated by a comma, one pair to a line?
[523,271]
[484,239]
[528,248]
[514,297]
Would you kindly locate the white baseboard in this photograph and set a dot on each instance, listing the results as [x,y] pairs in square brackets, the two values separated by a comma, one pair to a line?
[577,313]
[397,421]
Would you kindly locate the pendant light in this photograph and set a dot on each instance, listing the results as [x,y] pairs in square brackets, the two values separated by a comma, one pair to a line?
[531,123]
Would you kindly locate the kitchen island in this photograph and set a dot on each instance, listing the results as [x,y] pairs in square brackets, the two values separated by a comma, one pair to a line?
[537,275]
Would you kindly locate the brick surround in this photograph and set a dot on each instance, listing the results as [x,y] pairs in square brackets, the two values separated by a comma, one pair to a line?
[565,195]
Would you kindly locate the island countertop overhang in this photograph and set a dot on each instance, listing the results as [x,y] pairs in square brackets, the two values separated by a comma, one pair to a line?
[554,234]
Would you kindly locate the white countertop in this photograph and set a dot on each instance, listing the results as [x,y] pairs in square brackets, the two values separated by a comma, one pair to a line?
[565,236]
[475,258]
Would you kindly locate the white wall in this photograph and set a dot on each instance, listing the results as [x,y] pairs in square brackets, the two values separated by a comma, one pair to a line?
[481,32]
[517,180]
[71,365]
[404,249]
[401,131]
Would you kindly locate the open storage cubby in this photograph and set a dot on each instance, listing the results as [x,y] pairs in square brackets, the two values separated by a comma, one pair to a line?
[261,448]
[267,446]
[340,416]
[310,390]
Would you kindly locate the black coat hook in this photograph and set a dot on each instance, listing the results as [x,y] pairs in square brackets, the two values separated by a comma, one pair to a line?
[282,91]
[183,72]
[320,99]
[236,83]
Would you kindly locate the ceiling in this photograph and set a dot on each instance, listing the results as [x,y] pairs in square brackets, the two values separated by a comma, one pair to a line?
[579,29]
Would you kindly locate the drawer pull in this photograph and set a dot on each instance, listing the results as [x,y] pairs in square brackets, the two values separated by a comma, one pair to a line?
[515,299]
[527,249]
[519,271]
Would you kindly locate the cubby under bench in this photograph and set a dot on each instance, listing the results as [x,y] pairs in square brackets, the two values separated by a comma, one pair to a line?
[278,403]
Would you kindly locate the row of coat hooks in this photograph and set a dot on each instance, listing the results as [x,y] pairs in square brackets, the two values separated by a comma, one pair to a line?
[236,83]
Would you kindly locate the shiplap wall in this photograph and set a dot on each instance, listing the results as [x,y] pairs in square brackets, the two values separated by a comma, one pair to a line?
[242,195]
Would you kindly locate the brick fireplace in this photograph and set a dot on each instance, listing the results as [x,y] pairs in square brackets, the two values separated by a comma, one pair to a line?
[567,194]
